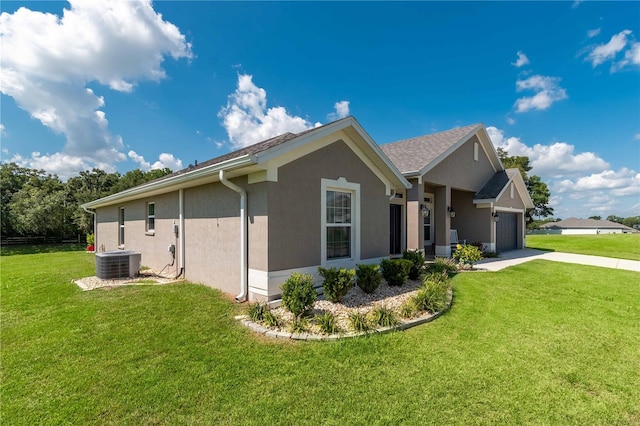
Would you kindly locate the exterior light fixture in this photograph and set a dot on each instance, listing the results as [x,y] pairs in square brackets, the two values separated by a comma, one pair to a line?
[425,211]
[451,211]
[496,217]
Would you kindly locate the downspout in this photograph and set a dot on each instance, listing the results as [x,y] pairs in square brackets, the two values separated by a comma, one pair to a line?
[181,239]
[95,228]
[243,236]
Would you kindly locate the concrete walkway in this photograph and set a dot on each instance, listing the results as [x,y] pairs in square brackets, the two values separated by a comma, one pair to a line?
[517,257]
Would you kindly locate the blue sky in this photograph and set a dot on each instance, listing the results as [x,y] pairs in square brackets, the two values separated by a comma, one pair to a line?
[121,85]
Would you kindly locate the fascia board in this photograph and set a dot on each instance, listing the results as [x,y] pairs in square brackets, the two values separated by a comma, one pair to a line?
[171,183]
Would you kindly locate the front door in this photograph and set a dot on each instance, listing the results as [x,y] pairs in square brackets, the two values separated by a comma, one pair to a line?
[428,223]
[395,229]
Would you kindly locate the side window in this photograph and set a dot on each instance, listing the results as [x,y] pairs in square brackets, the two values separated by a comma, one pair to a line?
[121,227]
[340,220]
[151,218]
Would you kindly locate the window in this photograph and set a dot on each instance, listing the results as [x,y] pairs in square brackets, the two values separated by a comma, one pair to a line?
[121,226]
[338,224]
[340,216]
[151,218]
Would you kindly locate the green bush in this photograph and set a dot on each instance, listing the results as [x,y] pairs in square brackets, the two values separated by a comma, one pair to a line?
[442,264]
[359,321]
[337,282]
[384,317]
[256,311]
[327,323]
[298,295]
[417,260]
[368,277]
[395,271]
[467,254]
[91,239]
[433,295]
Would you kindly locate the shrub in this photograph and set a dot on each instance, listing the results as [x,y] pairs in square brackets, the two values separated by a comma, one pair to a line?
[359,321]
[442,264]
[337,282]
[271,319]
[368,277]
[408,309]
[91,239]
[467,254]
[417,260]
[395,271]
[256,311]
[299,326]
[298,295]
[327,323]
[433,295]
[384,316]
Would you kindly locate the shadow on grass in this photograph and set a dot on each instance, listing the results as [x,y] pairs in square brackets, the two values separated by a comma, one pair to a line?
[542,248]
[44,248]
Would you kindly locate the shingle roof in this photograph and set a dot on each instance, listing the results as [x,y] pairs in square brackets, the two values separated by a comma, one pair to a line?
[412,155]
[496,184]
[573,222]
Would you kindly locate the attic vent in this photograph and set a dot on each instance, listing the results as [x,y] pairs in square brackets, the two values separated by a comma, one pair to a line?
[117,264]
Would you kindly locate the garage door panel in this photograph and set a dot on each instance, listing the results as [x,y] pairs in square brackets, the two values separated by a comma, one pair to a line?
[507,232]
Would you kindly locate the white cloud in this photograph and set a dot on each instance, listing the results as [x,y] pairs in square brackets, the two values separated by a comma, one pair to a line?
[608,51]
[47,62]
[576,3]
[547,90]
[511,121]
[341,110]
[637,136]
[594,32]
[631,57]
[63,165]
[3,130]
[580,182]
[164,160]
[247,119]
[521,61]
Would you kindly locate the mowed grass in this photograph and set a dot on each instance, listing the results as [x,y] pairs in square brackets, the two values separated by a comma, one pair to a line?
[620,246]
[541,343]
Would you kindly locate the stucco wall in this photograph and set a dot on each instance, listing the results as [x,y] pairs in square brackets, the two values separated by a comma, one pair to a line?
[154,247]
[473,224]
[294,207]
[459,170]
[506,201]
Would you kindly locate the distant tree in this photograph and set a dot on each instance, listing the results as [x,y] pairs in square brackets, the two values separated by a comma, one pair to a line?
[595,217]
[88,186]
[138,177]
[631,221]
[12,179]
[538,190]
[615,219]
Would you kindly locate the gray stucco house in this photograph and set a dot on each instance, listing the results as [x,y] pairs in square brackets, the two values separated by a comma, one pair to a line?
[575,226]
[329,196]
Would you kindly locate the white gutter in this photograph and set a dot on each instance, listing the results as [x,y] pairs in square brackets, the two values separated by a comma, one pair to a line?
[244,284]
[95,227]
[181,239]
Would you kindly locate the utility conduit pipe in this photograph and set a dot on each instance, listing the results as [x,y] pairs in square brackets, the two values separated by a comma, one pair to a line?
[243,235]
[181,237]
[95,228]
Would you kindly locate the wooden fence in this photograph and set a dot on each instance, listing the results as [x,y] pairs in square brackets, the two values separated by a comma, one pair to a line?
[24,241]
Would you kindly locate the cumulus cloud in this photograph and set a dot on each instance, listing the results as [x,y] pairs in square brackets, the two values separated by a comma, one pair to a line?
[63,165]
[341,110]
[547,91]
[580,182]
[3,130]
[247,119]
[165,160]
[621,46]
[521,61]
[48,61]
[594,32]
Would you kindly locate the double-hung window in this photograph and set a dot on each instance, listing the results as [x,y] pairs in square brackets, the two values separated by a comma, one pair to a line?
[151,218]
[121,227]
[338,224]
[340,220]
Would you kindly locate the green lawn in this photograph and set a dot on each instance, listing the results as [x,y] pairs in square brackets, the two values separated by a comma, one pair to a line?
[540,343]
[621,246]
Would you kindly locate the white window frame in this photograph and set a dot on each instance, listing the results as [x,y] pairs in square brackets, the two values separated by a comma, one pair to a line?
[150,230]
[340,185]
[121,222]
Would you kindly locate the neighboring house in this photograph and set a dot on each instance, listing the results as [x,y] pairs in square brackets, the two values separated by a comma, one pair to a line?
[586,226]
[329,196]
[458,182]
[245,221]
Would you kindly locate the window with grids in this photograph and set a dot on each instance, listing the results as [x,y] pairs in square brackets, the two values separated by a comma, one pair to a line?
[121,226]
[338,224]
[151,217]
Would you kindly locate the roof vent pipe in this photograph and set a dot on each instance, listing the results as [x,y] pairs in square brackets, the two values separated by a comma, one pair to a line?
[243,235]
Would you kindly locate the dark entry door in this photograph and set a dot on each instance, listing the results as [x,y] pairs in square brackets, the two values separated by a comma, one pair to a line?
[395,229]
[507,232]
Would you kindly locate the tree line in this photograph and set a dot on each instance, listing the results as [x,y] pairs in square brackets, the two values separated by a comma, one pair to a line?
[35,203]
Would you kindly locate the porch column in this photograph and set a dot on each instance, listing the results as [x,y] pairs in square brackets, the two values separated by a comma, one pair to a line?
[442,221]
[415,228]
